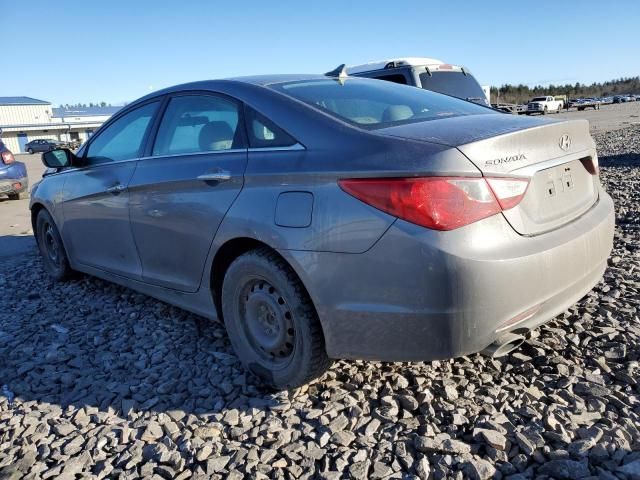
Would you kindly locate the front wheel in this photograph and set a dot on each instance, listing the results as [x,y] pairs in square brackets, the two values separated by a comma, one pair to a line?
[30,151]
[15,196]
[51,247]
[544,112]
[271,321]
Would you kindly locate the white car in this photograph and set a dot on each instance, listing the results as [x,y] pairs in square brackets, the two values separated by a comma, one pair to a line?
[544,105]
[428,73]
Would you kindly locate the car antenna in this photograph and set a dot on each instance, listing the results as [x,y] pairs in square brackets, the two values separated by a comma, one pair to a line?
[428,71]
[463,72]
[339,72]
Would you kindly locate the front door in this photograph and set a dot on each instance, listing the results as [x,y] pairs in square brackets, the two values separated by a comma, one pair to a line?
[96,199]
[181,192]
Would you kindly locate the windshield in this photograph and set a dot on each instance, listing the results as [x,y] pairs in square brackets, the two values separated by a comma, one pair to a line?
[456,84]
[539,99]
[376,103]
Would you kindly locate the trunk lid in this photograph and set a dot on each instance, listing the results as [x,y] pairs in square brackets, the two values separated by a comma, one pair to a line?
[548,153]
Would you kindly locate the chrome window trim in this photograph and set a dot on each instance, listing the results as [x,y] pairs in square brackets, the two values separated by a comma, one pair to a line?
[186,154]
[294,147]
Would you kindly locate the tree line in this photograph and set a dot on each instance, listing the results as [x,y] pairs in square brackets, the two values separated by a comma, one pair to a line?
[522,93]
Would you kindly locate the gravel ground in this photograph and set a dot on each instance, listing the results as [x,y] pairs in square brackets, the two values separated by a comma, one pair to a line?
[100,381]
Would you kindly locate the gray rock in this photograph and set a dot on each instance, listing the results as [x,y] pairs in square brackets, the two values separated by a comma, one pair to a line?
[565,469]
[217,464]
[631,470]
[360,470]
[422,468]
[152,433]
[478,469]
[447,445]
[492,437]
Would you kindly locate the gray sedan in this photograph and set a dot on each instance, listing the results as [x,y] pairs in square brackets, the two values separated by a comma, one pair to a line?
[325,217]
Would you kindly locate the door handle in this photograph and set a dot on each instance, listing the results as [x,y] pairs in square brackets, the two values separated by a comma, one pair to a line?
[221,176]
[116,189]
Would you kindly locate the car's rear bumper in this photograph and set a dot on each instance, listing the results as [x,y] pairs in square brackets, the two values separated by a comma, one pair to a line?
[8,185]
[419,294]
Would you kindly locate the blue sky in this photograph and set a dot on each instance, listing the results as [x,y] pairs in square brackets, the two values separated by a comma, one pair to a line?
[82,51]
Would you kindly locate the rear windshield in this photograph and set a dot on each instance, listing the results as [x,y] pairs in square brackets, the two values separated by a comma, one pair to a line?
[375,103]
[456,84]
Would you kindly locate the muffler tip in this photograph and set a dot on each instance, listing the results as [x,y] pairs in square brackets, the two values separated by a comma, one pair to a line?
[503,345]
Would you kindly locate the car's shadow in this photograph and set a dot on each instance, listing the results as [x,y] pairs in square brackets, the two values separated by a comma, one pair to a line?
[15,245]
[90,343]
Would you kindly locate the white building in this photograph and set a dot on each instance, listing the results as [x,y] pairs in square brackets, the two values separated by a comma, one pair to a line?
[23,119]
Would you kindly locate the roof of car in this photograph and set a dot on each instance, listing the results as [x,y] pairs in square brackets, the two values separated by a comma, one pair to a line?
[279,78]
[22,101]
[403,61]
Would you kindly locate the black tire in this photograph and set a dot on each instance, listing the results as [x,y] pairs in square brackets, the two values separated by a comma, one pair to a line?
[545,110]
[16,196]
[54,256]
[30,151]
[271,321]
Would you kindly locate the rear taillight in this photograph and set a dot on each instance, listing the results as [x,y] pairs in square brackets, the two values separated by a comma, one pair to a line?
[439,203]
[7,157]
[591,165]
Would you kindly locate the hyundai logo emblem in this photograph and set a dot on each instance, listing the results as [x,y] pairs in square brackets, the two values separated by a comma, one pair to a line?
[565,142]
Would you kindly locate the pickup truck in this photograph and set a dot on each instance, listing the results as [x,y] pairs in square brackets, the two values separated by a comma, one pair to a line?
[544,105]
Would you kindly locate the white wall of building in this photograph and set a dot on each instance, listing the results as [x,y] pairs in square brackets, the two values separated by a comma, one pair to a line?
[25,114]
[37,122]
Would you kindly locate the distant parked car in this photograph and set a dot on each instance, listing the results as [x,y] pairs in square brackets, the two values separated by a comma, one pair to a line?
[41,145]
[623,98]
[13,174]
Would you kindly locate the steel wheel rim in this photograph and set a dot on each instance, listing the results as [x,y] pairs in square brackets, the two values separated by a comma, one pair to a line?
[267,323]
[51,244]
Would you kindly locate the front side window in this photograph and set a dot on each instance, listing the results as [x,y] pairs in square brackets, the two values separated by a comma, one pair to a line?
[122,140]
[198,123]
[375,104]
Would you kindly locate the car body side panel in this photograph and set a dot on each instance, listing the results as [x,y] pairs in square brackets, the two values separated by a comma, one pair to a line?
[174,215]
[49,194]
[96,229]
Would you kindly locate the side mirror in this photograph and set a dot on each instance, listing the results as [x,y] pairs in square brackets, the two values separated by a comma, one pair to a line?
[58,158]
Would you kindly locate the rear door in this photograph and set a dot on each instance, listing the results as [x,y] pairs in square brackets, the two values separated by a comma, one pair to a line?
[96,197]
[183,188]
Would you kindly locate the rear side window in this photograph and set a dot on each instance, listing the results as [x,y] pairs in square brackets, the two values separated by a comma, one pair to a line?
[396,78]
[122,140]
[198,123]
[264,133]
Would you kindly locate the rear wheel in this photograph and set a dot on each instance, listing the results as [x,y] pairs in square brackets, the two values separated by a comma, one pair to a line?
[51,248]
[271,321]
